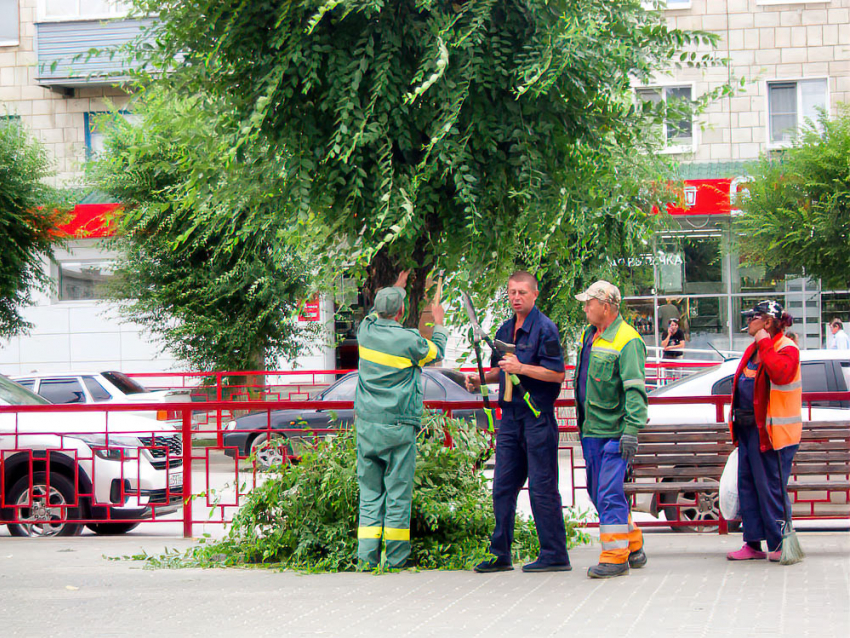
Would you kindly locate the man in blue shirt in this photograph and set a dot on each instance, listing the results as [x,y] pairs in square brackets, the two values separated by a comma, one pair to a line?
[527,445]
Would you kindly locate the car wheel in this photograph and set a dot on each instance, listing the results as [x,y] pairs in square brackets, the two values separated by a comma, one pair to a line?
[49,509]
[270,450]
[691,507]
[112,529]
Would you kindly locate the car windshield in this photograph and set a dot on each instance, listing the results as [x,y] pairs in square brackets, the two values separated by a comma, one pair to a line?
[342,391]
[675,384]
[13,394]
[124,383]
[457,377]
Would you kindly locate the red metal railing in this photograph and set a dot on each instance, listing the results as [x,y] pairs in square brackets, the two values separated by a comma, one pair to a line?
[297,385]
[198,496]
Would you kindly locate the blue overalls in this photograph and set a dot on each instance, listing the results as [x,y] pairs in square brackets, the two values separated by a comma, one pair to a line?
[527,446]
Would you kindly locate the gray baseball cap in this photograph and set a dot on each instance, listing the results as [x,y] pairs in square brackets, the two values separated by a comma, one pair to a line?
[388,301]
[602,290]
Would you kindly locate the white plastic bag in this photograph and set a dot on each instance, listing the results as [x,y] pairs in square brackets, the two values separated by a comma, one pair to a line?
[729,487]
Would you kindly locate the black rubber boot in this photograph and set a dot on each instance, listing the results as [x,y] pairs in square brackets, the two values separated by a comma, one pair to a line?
[637,559]
[538,566]
[493,565]
[608,570]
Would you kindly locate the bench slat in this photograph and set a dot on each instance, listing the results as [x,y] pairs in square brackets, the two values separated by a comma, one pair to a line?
[684,437]
[818,486]
[672,487]
[651,435]
[686,448]
[724,427]
[711,472]
[651,460]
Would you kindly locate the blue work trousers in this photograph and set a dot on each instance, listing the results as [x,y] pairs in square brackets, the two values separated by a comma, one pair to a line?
[760,493]
[606,472]
[527,448]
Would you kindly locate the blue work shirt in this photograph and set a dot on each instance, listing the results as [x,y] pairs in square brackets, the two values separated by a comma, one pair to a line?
[583,366]
[538,344]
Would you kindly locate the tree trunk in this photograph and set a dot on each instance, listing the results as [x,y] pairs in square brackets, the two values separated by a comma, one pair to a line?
[384,271]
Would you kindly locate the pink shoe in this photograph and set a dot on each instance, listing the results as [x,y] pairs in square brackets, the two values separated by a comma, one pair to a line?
[746,553]
[776,556]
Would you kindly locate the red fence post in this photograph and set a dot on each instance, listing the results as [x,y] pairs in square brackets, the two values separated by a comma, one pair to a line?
[219,434]
[187,473]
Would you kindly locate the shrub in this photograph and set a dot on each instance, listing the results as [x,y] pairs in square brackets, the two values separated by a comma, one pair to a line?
[304,516]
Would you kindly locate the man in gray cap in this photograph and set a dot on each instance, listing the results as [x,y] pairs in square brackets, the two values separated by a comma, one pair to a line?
[388,413]
[611,407]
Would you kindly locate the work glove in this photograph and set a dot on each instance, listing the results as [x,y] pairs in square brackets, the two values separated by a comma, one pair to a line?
[628,448]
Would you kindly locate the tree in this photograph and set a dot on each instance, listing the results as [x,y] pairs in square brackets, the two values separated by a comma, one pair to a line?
[797,208]
[28,220]
[458,135]
[202,263]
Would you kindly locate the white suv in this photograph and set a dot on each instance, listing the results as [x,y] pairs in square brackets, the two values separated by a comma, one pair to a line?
[56,469]
[102,387]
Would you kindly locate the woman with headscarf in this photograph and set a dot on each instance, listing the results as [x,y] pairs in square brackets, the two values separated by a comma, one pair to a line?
[766,424]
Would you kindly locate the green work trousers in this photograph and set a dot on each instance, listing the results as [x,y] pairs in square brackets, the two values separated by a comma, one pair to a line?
[386,460]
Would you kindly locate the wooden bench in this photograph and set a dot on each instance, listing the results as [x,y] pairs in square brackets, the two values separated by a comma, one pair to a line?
[679,466]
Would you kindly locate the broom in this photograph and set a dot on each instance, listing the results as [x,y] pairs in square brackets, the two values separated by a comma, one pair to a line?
[791,550]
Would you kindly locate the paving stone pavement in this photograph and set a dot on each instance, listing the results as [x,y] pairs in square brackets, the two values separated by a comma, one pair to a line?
[65,587]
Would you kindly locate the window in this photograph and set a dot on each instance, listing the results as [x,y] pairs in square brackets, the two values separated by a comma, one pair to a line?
[62,390]
[124,383]
[724,386]
[677,132]
[790,104]
[96,124]
[98,392]
[29,384]
[343,390]
[770,2]
[59,10]
[816,379]
[13,394]
[669,5]
[84,280]
[9,23]
[432,391]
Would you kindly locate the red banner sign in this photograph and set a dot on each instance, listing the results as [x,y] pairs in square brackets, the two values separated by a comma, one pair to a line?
[311,311]
[708,196]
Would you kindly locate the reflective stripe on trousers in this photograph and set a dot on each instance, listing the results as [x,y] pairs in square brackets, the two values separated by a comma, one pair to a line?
[606,471]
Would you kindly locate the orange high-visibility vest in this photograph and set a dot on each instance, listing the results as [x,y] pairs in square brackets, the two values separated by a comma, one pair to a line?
[785,406]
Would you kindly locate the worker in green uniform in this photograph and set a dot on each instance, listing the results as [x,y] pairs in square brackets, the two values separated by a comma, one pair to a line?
[388,414]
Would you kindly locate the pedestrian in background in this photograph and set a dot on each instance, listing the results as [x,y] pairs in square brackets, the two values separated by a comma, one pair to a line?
[388,414]
[611,405]
[673,342]
[840,340]
[766,424]
[527,443]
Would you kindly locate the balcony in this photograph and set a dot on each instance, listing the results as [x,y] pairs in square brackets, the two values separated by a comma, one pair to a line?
[63,52]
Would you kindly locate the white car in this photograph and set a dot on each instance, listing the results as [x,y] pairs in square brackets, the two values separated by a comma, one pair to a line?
[822,371]
[58,468]
[102,387]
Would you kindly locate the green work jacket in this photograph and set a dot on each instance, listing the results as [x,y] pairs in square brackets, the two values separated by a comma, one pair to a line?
[389,389]
[615,396]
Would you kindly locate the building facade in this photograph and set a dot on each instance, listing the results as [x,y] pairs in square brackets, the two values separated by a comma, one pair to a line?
[794,59]
[50,83]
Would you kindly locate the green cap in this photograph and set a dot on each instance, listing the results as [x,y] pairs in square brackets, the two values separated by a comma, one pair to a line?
[389,301]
